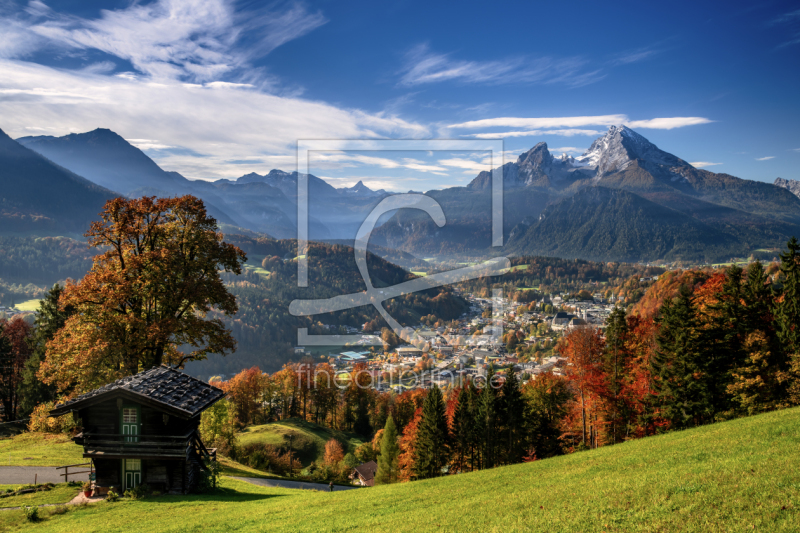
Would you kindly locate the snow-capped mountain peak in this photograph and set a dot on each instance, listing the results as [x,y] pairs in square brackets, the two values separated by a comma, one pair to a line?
[619,148]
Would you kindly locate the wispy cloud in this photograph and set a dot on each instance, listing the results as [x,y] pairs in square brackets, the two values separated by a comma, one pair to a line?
[703,164]
[533,133]
[569,126]
[166,39]
[791,19]
[236,122]
[765,158]
[795,150]
[634,56]
[422,66]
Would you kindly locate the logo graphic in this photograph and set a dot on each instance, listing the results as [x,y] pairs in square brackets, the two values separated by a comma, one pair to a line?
[376,297]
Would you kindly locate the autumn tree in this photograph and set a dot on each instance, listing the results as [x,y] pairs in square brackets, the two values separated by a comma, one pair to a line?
[147,296]
[14,352]
[333,452]
[583,348]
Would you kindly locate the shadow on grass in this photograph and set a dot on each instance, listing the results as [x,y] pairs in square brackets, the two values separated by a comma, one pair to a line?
[221,494]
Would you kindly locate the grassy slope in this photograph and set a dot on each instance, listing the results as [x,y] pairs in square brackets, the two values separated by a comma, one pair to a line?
[276,434]
[735,476]
[39,449]
[61,493]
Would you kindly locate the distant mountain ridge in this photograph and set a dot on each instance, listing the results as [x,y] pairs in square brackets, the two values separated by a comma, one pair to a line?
[37,195]
[261,203]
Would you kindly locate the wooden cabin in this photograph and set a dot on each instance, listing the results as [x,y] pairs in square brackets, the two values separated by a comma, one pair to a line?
[145,429]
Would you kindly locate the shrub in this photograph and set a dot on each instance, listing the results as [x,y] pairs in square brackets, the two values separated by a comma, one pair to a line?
[268,457]
[40,421]
[138,493]
[31,513]
[209,479]
[59,509]
[112,496]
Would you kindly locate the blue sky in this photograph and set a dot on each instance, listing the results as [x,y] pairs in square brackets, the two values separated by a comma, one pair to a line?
[218,88]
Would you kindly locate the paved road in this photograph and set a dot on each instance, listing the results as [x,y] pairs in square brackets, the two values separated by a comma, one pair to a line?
[13,475]
[286,484]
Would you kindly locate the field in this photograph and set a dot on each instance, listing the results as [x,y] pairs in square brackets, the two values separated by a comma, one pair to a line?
[39,449]
[308,441]
[734,476]
[28,305]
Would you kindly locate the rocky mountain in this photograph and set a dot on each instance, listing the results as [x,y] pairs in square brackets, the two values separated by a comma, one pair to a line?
[359,189]
[39,196]
[792,186]
[747,213]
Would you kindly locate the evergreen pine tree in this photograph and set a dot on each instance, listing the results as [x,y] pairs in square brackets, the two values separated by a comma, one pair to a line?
[682,380]
[431,448]
[722,339]
[486,423]
[787,324]
[362,424]
[387,460]
[6,366]
[511,411]
[615,361]
[462,427]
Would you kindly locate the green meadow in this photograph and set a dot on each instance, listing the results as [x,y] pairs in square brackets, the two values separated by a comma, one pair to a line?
[742,475]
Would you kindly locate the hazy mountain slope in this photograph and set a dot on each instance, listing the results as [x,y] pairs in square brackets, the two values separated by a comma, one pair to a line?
[38,195]
[107,159]
[613,225]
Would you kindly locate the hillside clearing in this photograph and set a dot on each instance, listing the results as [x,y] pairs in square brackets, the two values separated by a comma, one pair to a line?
[39,449]
[734,476]
[308,439]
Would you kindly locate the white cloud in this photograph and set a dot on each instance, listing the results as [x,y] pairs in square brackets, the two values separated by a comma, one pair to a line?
[423,66]
[767,158]
[795,149]
[703,164]
[667,123]
[533,133]
[543,122]
[220,124]
[568,149]
[537,123]
[165,39]
[149,144]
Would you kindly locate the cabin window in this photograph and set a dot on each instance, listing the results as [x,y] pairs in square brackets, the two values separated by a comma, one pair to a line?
[130,424]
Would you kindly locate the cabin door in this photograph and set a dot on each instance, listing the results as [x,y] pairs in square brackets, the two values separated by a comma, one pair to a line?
[130,424]
[132,473]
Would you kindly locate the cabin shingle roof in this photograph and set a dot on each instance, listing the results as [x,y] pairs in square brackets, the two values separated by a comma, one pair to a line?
[162,384]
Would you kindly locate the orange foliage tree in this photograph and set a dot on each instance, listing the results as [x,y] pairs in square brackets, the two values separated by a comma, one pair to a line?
[583,348]
[147,294]
[333,452]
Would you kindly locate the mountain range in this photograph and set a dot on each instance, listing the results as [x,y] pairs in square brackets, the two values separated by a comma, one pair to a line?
[623,199]
[265,204]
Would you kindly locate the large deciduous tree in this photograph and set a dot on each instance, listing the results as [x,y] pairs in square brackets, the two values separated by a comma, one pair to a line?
[147,297]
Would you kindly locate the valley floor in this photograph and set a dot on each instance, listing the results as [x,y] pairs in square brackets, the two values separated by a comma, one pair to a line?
[742,475]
